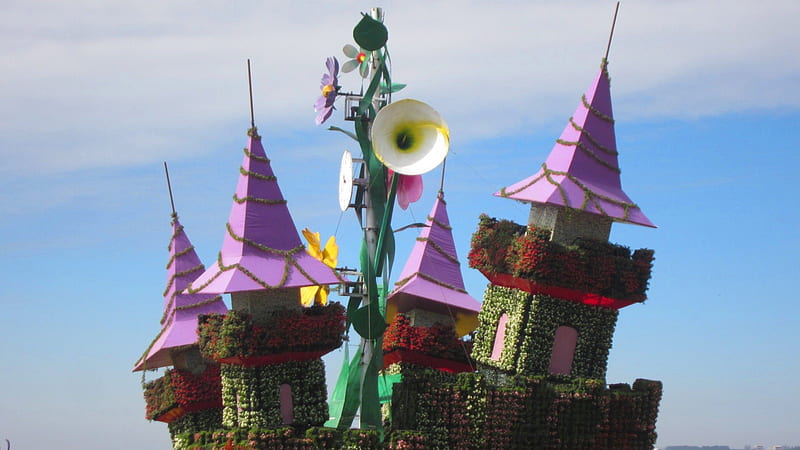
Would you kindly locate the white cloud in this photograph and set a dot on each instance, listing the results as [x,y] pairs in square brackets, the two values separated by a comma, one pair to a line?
[96,85]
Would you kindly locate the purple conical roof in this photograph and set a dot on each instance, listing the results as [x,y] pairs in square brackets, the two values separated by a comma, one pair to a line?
[261,248]
[431,279]
[582,171]
[179,322]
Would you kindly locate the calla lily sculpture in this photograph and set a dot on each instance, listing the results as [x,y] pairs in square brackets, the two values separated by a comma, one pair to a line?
[318,295]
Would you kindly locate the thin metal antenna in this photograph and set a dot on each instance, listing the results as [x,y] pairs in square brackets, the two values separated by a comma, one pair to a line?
[441,182]
[250,85]
[169,187]
[613,23]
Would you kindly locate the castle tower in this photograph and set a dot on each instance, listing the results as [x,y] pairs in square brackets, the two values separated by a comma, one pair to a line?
[557,284]
[430,310]
[176,345]
[578,192]
[269,346]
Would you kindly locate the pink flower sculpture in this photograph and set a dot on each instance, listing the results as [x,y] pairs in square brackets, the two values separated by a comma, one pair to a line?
[409,188]
[329,86]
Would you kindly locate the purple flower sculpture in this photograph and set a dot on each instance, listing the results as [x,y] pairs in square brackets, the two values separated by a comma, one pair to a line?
[329,86]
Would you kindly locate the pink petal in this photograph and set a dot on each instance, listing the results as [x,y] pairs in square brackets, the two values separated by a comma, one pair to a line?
[409,190]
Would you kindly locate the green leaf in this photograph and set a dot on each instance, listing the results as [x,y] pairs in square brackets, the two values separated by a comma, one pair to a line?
[370,34]
[349,133]
[368,321]
[396,87]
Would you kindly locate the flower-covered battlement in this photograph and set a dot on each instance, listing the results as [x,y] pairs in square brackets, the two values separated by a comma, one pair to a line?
[283,336]
[588,271]
[179,392]
[436,346]
[468,411]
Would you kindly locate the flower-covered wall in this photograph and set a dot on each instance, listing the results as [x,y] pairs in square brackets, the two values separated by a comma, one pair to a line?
[531,328]
[271,371]
[253,397]
[432,410]
[589,271]
[187,402]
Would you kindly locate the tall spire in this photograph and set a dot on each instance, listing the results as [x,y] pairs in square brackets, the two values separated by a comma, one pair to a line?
[431,279]
[179,322]
[582,171]
[261,248]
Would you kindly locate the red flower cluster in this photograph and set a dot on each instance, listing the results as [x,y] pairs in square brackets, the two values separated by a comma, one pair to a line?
[503,408]
[181,388]
[491,244]
[588,266]
[439,341]
[235,334]
[203,389]
[407,440]
[159,396]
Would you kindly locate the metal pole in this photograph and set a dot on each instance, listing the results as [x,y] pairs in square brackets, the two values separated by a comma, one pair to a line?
[613,23]
[371,234]
[250,85]
[169,188]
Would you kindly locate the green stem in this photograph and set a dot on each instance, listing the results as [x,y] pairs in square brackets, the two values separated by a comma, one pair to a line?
[380,253]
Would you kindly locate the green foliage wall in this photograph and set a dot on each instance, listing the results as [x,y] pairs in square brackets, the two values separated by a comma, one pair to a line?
[533,320]
[468,412]
[297,439]
[235,334]
[251,395]
[195,422]
[498,301]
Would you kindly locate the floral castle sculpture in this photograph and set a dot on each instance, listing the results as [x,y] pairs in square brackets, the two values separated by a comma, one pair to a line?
[269,346]
[548,315]
[429,311]
[536,375]
[189,394]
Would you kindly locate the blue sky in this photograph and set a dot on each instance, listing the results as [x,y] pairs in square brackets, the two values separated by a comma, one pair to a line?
[95,97]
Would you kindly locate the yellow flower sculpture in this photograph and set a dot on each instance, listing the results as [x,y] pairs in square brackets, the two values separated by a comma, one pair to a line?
[318,295]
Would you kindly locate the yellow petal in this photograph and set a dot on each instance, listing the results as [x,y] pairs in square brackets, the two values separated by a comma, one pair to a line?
[466,323]
[308,294]
[313,243]
[331,253]
[322,296]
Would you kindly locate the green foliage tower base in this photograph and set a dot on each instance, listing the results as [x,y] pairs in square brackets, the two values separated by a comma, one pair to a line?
[471,411]
[536,388]
[251,395]
[531,328]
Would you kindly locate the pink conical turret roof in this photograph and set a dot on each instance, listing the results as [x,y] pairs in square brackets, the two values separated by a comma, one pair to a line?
[179,322]
[261,249]
[431,279]
[582,171]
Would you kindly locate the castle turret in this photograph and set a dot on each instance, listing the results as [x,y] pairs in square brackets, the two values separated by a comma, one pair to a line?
[577,192]
[188,396]
[430,287]
[262,255]
[557,284]
[176,343]
[269,346]
[430,310]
